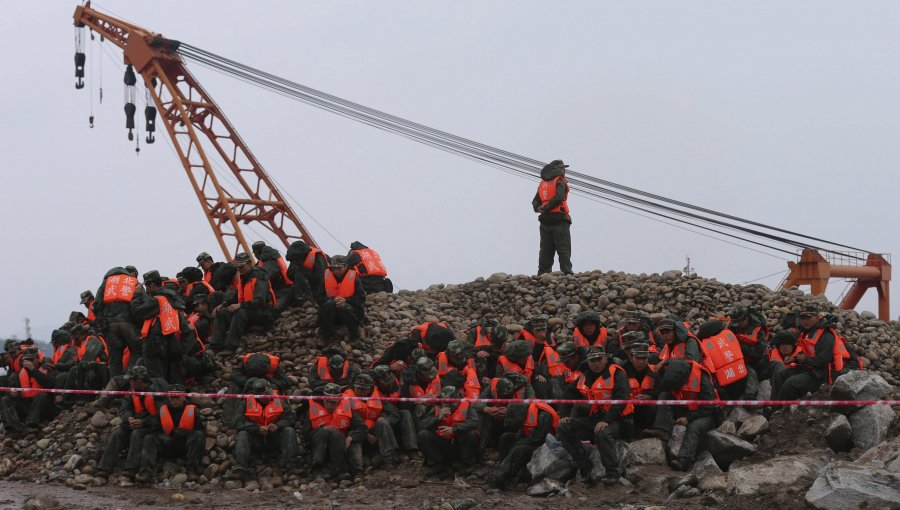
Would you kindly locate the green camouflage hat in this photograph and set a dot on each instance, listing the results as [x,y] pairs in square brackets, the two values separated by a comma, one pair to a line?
[517,349]
[566,350]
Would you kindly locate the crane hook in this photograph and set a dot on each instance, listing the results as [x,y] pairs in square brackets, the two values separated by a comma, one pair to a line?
[91,121]
[79,69]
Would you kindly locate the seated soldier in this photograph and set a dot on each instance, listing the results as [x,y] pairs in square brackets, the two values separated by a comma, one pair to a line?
[448,433]
[420,381]
[367,263]
[753,335]
[307,272]
[260,365]
[459,358]
[678,341]
[330,428]
[689,380]
[525,428]
[341,302]
[536,330]
[91,372]
[201,318]
[516,359]
[782,347]
[267,425]
[178,431]
[565,376]
[332,367]
[588,330]
[388,385]
[632,321]
[488,338]
[493,413]
[65,357]
[642,380]
[379,418]
[724,358]
[432,336]
[251,302]
[397,354]
[31,405]
[136,413]
[194,287]
[602,423]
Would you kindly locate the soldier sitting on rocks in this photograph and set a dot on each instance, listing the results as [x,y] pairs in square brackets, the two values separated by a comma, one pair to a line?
[781,347]
[255,364]
[588,330]
[398,354]
[488,338]
[388,385]
[632,321]
[136,413]
[34,407]
[341,301]
[177,431]
[267,424]
[332,366]
[689,380]
[379,416]
[458,358]
[448,433]
[642,380]
[516,359]
[330,427]
[432,336]
[678,342]
[525,428]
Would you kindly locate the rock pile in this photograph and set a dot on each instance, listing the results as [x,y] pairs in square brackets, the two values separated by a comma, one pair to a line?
[67,449]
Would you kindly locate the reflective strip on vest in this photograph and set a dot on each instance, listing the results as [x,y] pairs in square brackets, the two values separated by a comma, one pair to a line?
[602,389]
[273,362]
[324,372]
[185,423]
[531,418]
[82,350]
[26,381]
[455,418]
[245,290]
[345,288]
[119,288]
[691,389]
[369,409]
[263,416]
[481,340]
[582,341]
[372,262]
[723,357]
[340,419]
[547,190]
[510,367]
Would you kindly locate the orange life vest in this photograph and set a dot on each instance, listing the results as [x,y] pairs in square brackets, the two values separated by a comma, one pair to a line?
[509,366]
[753,337]
[310,259]
[547,190]
[531,418]
[340,419]
[264,416]
[647,383]
[189,287]
[168,319]
[775,355]
[519,394]
[602,389]
[554,365]
[370,260]
[26,381]
[443,364]
[691,389]
[432,390]
[455,418]
[582,341]
[839,353]
[676,351]
[345,288]
[185,423]
[245,290]
[472,386]
[91,317]
[119,288]
[422,329]
[60,351]
[207,276]
[480,339]
[324,372]
[369,409]
[148,405]
[284,270]
[722,356]
[82,350]
[273,362]
[528,336]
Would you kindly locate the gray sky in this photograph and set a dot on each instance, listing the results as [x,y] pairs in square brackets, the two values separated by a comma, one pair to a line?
[787,113]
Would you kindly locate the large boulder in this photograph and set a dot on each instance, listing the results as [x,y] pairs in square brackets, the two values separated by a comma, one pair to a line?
[838,433]
[753,426]
[726,448]
[675,440]
[884,455]
[860,385]
[705,466]
[551,460]
[780,471]
[845,485]
[648,451]
[870,425]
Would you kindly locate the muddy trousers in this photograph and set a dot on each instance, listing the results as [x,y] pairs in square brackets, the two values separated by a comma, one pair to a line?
[229,327]
[515,457]
[407,428]
[118,440]
[795,382]
[332,316]
[329,444]
[188,447]
[693,437]
[283,440]
[491,431]
[571,435]
[35,410]
[440,451]
[555,239]
[120,335]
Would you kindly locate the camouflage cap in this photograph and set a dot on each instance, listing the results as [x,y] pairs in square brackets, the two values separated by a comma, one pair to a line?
[784,337]
[68,325]
[667,323]
[596,352]
[152,277]
[559,163]
[242,259]
[517,349]
[332,390]
[455,348]
[86,296]
[30,353]
[131,270]
[257,386]
[519,381]
[137,373]
[425,366]
[203,256]
[336,361]
[76,317]
[176,388]
[339,261]
[809,309]
[505,387]
[640,350]
[539,322]
[738,312]
[450,392]
[257,246]
[382,373]
[417,353]
[363,380]
[200,299]
[11,345]
[631,316]
[566,350]
[633,337]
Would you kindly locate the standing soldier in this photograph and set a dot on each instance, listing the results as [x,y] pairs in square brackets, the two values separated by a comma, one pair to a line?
[114,316]
[551,202]
[267,424]
[177,431]
[367,263]
[602,423]
[252,304]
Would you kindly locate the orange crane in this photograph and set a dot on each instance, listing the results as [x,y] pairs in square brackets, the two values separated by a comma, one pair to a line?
[194,123]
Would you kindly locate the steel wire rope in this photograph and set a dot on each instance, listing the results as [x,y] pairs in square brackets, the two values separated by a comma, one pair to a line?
[189,50]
